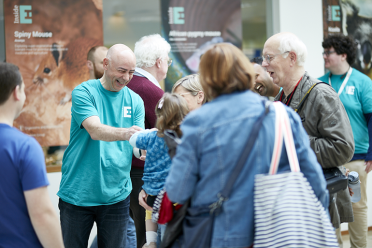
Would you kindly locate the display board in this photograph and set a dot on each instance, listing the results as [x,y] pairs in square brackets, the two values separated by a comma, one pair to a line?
[193,26]
[352,18]
[49,42]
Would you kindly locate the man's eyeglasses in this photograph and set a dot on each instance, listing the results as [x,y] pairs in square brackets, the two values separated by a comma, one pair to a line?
[169,62]
[268,58]
[327,53]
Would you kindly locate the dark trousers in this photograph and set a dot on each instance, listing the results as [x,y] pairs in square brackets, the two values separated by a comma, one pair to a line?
[137,212]
[111,220]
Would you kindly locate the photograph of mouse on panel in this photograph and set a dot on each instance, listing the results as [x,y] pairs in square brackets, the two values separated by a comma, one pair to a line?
[49,42]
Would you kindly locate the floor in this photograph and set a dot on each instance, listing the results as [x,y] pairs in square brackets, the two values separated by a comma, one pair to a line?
[345,239]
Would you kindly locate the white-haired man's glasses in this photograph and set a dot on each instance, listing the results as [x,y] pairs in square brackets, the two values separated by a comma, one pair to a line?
[169,62]
[268,58]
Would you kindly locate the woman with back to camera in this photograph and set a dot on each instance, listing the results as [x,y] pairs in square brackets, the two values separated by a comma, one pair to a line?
[213,138]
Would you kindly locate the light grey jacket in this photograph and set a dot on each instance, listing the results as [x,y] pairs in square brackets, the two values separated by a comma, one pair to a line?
[326,122]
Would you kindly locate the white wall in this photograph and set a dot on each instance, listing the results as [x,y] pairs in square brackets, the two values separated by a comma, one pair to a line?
[305,19]
[54,180]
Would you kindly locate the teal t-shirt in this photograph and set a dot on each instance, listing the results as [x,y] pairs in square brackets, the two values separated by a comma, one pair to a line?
[357,100]
[97,172]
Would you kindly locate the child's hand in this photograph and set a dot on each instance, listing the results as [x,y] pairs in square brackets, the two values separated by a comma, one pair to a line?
[143,155]
[142,197]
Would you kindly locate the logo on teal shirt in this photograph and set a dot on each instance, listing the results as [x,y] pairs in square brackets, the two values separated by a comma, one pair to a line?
[127,111]
[350,90]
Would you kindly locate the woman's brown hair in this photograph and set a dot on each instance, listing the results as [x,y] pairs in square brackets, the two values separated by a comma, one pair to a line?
[225,69]
[170,111]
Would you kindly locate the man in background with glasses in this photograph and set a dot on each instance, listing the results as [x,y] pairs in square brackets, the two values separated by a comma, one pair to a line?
[355,91]
[151,67]
[322,114]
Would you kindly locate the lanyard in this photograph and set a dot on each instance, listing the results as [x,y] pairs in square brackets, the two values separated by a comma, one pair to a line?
[290,95]
[343,83]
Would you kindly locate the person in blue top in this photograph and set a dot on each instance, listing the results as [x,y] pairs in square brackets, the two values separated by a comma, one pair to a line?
[355,91]
[27,216]
[170,111]
[95,184]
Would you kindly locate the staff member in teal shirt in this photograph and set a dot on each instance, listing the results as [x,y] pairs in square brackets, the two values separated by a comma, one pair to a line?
[95,183]
[355,92]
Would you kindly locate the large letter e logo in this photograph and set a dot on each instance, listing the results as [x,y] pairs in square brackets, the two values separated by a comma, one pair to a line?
[178,15]
[127,111]
[24,12]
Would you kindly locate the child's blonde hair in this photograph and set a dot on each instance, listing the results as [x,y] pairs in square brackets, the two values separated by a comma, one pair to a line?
[170,111]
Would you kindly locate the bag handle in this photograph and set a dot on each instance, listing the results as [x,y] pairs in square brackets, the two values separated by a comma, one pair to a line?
[283,130]
[225,193]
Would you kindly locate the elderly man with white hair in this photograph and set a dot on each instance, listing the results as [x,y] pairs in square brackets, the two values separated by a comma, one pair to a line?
[322,113]
[152,62]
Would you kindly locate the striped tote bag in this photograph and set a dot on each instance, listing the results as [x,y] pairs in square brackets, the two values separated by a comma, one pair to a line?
[287,212]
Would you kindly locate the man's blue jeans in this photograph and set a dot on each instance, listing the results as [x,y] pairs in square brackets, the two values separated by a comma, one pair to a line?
[131,236]
[111,220]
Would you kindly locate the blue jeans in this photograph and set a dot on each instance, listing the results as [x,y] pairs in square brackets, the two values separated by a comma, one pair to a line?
[111,220]
[131,236]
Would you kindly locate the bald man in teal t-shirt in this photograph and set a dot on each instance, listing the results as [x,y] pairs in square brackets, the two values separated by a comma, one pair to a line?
[95,184]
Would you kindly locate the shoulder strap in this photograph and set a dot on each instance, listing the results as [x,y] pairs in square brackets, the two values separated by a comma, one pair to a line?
[301,104]
[225,193]
[283,130]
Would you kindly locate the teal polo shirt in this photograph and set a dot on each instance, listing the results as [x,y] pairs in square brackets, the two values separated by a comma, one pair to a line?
[97,172]
[357,100]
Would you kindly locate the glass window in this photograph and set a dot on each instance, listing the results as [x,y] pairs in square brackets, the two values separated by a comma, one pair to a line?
[127,21]
[254,27]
